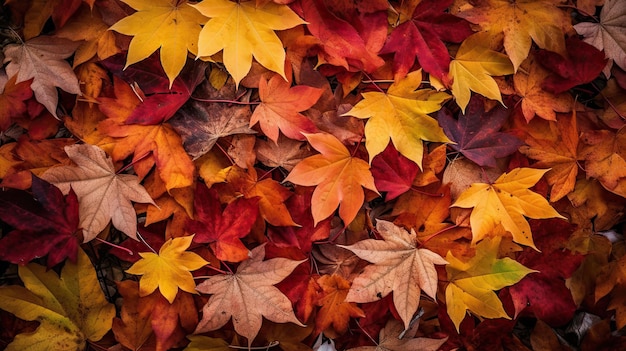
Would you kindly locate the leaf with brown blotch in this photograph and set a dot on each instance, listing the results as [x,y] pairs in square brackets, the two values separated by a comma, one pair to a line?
[399,266]
[395,337]
[338,177]
[280,108]
[604,153]
[248,295]
[103,195]
[43,59]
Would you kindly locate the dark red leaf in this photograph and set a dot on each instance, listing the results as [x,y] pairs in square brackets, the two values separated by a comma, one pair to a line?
[477,133]
[393,173]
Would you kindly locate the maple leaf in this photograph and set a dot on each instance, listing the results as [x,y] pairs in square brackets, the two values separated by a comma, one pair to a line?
[44,225]
[222,230]
[41,10]
[285,153]
[102,194]
[399,265]
[472,283]
[506,201]
[71,309]
[88,26]
[401,115]
[473,67]
[337,175]
[394,337]
[554,145]
[335,310]
[12,100]
[605,158]
[42,59]
[423,36]
[132,329]
[342,43]
[522,22]
[545,293]
[477,132]
[242,31]
[171,26]
[535,100]
[280,108]
[168,270]
[583,64]
[608,34]
[248,295]
[393,173]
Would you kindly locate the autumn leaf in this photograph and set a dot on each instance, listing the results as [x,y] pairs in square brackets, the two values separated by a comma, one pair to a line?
[477,132]
[335,310]
[223,230]
[393,173]
[12,99]
[423,36]
[168,270]
[248,295]
[132,329]
[605,158]
[244,31]
[103,195]
[285,153]
[506,201]
[42,59]
[522,22]
[40,11]
[394,337]
[473,68]
[338,177]
[72,309]
[280,108]
[45,224]
[472,283]
[171,26]
[555,145]
[607,34]
[401,115]
[399,266]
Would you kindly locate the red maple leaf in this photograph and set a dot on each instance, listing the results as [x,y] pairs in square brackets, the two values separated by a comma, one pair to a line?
[393,172]
[46,223]
[423,37]
[223,229]
[477,133]
[583,65]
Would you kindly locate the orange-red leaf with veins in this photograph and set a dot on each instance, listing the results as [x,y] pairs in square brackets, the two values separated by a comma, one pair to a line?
[12,101]
[335,311]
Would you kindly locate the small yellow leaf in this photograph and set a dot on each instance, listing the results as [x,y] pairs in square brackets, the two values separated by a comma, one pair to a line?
[169,269]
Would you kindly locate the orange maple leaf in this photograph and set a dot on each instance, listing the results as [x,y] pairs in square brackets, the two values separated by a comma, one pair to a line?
[338,177]
[335,311]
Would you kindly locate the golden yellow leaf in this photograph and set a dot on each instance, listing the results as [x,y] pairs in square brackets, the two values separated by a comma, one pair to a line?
[401,115]
[507,201]
[169,269]
[172,26]
[243,30]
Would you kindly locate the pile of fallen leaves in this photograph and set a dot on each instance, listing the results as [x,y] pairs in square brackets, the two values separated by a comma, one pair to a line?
[312,174]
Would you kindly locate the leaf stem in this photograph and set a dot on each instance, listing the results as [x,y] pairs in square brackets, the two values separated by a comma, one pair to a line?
[365,332]
[437,233]
[133,163]
[425,193]
[235,102]
[128,251]
[271,344]
[145,242]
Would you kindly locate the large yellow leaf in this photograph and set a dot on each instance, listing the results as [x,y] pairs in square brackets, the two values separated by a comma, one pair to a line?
[71,309]
[399,265]
[102,194]
[169,269]
[243,31]
[171,25]
[473,68]
[248,295]
[506,202]
[401,115]
[522,22]
[338,177]
[472,283]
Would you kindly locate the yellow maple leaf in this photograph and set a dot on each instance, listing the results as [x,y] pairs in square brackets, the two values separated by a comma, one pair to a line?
[169,269]
[172,26]
[338,177]
[522,22]
[243,30]
[402,116]
[473,68]
[472,283]
[506,202]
